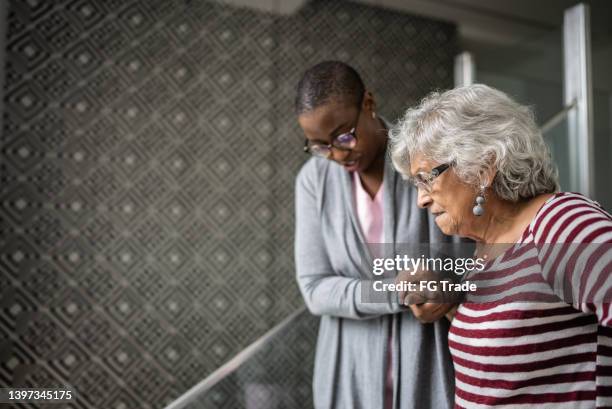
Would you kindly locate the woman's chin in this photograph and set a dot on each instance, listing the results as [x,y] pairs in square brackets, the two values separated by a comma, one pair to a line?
[444,227]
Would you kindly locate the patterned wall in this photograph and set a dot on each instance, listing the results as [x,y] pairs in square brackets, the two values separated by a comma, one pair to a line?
[147,164]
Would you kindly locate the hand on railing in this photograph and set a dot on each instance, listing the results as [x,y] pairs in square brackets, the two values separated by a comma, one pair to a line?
[428,302]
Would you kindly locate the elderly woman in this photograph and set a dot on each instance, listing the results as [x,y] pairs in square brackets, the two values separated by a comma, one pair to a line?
[537,330]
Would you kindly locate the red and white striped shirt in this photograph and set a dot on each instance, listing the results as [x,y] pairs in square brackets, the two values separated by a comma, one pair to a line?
[537,329]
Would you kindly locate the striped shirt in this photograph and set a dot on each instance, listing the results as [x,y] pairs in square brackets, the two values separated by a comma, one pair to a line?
[537,329]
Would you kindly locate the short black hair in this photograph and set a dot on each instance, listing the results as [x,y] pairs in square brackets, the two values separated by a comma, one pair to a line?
[327,81]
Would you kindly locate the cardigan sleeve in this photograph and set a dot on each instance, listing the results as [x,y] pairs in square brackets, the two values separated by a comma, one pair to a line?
[325,292]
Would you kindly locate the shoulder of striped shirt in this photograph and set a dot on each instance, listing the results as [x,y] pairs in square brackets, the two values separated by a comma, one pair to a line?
[563,201]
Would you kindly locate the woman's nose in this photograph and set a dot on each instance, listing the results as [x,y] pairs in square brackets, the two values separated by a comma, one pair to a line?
[423,199]
[339,155]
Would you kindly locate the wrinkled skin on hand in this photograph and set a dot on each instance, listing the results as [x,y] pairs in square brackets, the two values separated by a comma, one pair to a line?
[427,306]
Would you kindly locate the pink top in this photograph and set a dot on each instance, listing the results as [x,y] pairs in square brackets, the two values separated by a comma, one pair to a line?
[369,211]
[370,216]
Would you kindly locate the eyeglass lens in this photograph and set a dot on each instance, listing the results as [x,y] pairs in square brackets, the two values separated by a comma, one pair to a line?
[343,141]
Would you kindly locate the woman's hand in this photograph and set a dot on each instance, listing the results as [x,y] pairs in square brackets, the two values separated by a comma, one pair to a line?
[430,312]
[427,306]
[451,313]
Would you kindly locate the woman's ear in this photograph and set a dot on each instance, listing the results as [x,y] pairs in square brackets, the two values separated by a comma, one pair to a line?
[488,176]
[488,171]
[369,103]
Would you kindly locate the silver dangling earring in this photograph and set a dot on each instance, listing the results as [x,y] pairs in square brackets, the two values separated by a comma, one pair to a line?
[373,115]
[479,210]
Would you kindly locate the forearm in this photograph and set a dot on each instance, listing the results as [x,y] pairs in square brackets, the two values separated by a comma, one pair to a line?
[347,298]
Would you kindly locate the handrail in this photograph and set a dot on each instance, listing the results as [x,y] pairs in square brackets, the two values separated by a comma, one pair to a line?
[558,117]
[234,363]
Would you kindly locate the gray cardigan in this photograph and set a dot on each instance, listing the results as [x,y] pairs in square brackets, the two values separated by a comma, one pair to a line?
[353,335]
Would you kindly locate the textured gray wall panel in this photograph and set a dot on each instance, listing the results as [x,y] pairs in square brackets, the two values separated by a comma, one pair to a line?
[147,164]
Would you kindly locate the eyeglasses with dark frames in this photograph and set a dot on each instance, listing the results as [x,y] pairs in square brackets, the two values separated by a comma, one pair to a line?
[425,180]
[344,142]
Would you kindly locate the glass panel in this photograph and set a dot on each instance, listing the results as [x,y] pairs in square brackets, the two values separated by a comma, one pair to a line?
[601,61]
[602,135]
[556,138]
[278,375]
[532,73]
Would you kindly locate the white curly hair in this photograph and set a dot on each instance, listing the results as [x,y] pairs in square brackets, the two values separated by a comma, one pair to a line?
[476,128]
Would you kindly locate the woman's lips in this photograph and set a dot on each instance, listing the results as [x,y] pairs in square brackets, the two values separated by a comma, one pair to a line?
[351,166]
[438,215]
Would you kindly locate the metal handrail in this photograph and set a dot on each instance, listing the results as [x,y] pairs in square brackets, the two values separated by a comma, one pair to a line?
[558,117]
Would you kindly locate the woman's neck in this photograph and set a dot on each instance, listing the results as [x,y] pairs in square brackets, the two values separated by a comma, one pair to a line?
[504,221]
[372,177]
